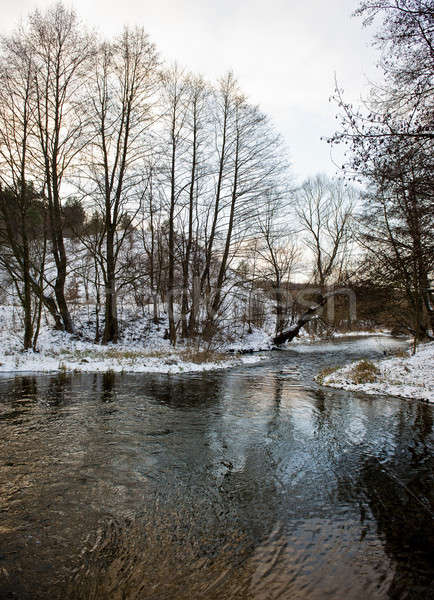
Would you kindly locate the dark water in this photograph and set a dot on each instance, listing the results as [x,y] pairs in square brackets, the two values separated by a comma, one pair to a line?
[253,483]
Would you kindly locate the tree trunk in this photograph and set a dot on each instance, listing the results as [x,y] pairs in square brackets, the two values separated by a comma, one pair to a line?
[310,314]
[111,325]
[27,301]
[27,286]
[186,263]
[171,273]
[195,300]
[280,316]
[209,329]
[59,252]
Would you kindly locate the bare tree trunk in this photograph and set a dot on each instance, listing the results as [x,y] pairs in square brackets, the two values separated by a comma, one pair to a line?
[122,87]
[39,301]
[151,252]
[280,309]
[171,271]
[195,303]
[226,91]
[61,52]
[209,329]
[111,325]
[310,314]
[175,88]
[27,295]
[97,301]
[186,261]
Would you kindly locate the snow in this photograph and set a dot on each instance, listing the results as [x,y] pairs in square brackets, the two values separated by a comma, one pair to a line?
[338,334]
[143,349]
[255,341]
[408,376]
[139,363]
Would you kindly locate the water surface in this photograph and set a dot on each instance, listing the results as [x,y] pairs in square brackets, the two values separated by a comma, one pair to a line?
[253,483]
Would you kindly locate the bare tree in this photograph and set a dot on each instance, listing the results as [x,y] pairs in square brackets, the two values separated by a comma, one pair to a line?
[16,86]
[389,142]
[150,234]
[23,252]
[223,106]
[277,251]
[176,95]
[324,208]
[197,120]
[160,176]
[60,52]
[121,100]
[249,169]
[22,211]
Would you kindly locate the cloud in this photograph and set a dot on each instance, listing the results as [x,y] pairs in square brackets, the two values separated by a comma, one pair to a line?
[284,53]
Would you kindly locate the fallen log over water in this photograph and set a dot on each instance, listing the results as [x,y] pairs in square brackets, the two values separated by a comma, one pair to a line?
[311,313]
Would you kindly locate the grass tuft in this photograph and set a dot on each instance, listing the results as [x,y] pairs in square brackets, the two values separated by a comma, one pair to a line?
[325,373]
[364,372]
[203,356]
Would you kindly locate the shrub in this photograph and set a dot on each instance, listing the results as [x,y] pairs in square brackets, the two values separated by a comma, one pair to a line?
[364,372]
[324,373]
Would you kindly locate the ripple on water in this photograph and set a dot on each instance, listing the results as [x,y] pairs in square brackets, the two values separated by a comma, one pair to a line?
[252,483]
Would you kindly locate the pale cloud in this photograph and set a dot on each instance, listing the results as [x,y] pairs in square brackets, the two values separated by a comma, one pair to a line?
[285,54]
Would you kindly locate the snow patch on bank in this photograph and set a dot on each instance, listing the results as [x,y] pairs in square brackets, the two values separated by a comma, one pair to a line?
[406,376]
[86,357]
[255,341]
[377,332]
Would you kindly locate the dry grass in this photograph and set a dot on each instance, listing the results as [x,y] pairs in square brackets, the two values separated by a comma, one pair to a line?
[202,356]
[364,372]
[324,373]
[125,357]
[108,353]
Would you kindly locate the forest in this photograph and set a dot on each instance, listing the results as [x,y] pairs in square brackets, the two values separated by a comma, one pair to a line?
[135,189]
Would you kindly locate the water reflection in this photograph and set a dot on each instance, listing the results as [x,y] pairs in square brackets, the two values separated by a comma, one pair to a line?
[252,483]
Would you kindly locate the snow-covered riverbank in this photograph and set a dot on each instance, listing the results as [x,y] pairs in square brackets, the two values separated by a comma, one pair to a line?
[60,352]
[92,358]
[407,376]
[142,349]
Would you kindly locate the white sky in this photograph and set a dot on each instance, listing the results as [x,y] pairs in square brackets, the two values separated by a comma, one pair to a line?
[285,54]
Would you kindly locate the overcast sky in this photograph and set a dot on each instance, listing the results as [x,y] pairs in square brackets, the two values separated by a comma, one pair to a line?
[285,54]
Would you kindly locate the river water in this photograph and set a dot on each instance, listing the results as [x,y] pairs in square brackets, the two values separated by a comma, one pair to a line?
[253,483]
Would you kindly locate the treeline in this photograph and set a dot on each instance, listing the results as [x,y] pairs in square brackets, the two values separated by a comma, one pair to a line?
[104,129]
[123,177]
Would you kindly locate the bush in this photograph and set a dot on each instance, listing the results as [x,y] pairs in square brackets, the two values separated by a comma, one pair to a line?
[324,373]
[364,372]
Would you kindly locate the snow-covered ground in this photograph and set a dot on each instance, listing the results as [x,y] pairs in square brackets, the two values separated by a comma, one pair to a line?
[339,334]
[143,346]
[255,341]
[142,349]
[407,376]
[94,359]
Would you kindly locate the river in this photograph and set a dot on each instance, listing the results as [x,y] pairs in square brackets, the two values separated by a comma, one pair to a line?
[251,483]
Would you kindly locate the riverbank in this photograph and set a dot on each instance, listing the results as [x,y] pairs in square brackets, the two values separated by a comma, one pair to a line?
[406,376]
[60,352]
[143,347]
